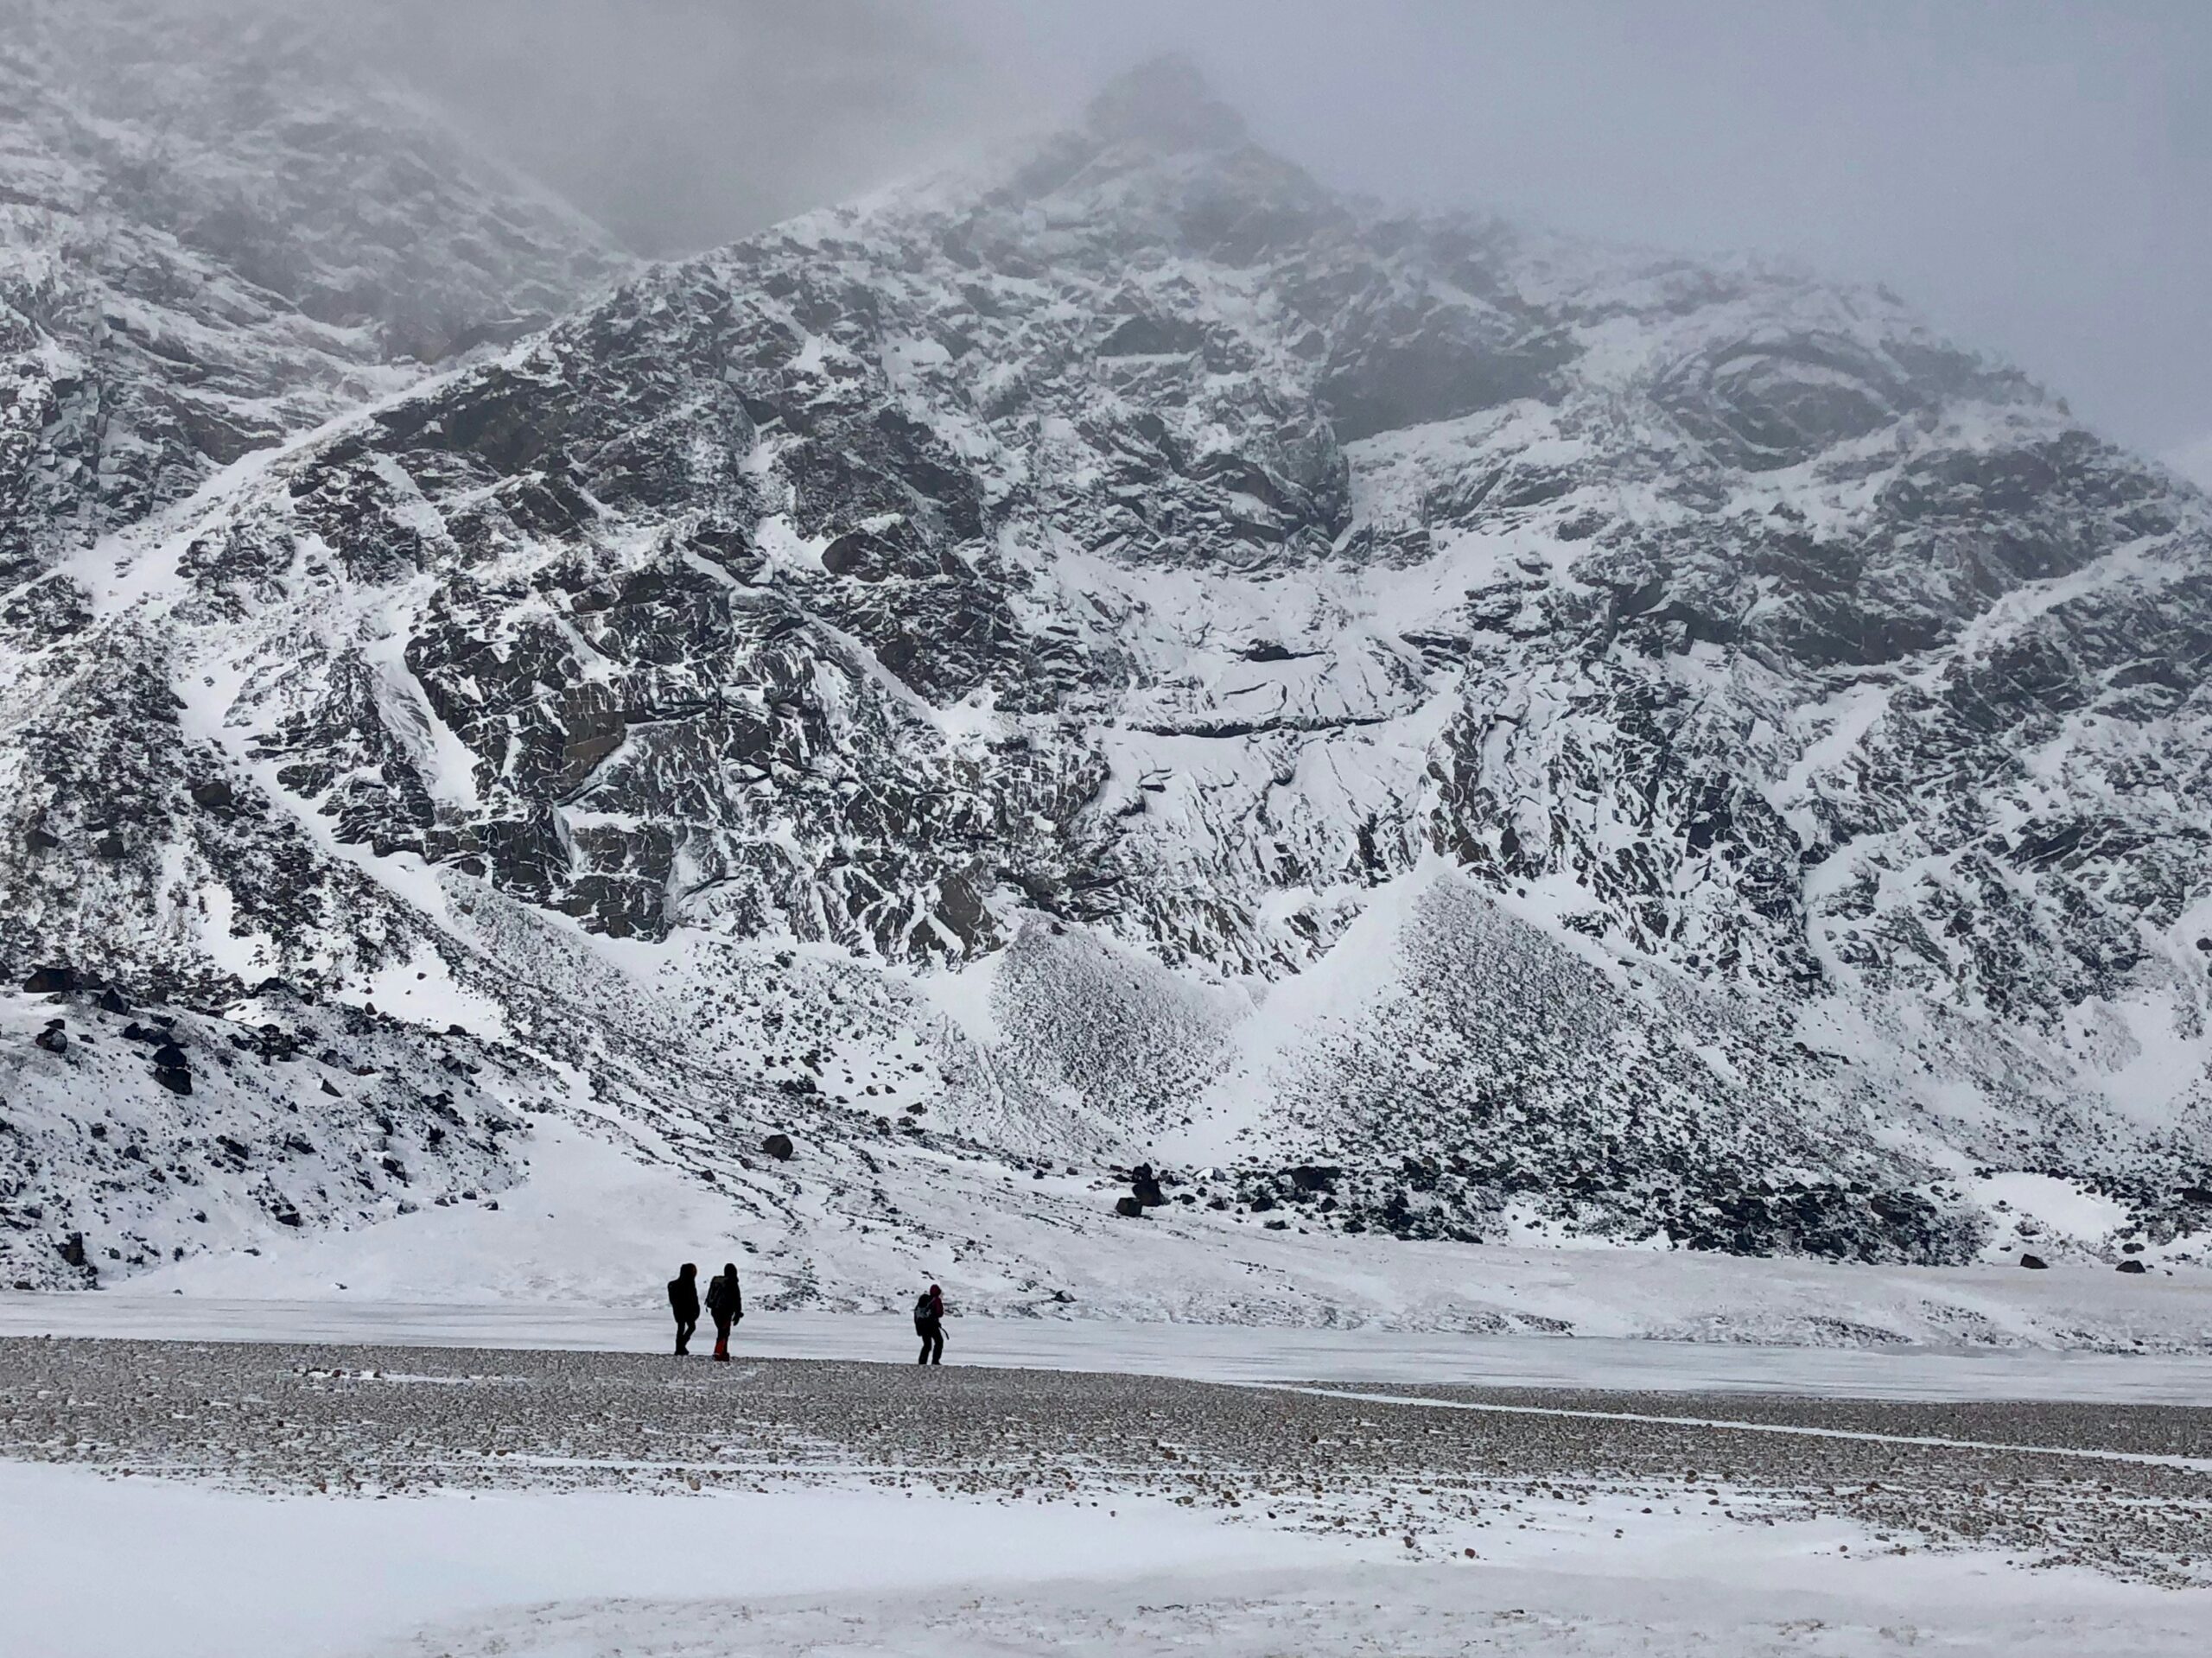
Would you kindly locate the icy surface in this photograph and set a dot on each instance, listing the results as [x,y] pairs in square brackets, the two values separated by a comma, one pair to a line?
[1882,1369]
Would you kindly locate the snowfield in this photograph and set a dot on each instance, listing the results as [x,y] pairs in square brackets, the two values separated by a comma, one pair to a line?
[194,1573]
[594,1228]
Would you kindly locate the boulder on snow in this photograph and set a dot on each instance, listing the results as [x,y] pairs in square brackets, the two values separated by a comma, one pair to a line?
[2034,1263]
[1129,1207]
[111,1002]
[214,796]
[172,1070]
[778,1146]
[53,1040]
[2133,1266]
[51,980]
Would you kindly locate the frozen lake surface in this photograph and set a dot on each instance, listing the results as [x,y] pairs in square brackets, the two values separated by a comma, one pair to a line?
[1198,1352]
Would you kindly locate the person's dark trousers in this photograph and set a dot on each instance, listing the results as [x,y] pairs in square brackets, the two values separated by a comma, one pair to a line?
[932,1346]
[723,1321]
[684,1329]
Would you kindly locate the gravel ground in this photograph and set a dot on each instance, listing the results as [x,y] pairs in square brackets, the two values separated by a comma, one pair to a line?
[1439,1467]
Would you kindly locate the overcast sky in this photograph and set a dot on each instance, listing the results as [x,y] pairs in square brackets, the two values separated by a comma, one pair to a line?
[2036,178]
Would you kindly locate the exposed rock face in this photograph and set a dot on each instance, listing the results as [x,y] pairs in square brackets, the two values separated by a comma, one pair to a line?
[214,232]
[92,1151]
[1663,747]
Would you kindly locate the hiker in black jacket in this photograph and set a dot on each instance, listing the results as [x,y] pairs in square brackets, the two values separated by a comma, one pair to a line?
[683,1302]
[929,1324]
[727,1304]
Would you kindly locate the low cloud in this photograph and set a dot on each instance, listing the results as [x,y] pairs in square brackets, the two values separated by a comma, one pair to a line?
[2038,179]
[2194,461]
[681,125]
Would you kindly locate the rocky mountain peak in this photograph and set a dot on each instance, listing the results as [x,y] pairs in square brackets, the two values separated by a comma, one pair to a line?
[1144,656]
[1165,103]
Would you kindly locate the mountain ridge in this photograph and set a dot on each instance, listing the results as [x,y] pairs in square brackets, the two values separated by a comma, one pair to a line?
[218,231]
[1141,659]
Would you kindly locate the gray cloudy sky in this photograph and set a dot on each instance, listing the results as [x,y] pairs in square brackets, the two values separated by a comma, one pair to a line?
[2037,177]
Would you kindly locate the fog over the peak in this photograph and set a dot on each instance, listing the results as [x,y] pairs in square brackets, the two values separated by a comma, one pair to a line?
[2037,178]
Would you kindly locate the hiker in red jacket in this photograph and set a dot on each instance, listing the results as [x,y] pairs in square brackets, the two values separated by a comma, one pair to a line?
[728,1306]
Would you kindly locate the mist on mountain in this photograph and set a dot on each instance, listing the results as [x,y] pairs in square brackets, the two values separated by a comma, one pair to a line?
[2038,180]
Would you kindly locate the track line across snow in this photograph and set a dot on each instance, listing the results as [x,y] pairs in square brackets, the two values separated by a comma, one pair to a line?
[2195,1464]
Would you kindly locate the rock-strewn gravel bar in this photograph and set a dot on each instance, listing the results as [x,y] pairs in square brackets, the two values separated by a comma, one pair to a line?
[385,1420]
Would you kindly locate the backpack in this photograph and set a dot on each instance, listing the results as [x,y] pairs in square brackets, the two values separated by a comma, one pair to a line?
[922,1316]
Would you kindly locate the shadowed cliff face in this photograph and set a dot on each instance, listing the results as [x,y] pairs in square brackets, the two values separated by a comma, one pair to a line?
[1131,568]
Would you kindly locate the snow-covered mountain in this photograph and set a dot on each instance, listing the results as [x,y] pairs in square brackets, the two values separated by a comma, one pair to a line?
[1125,656]
[216,230]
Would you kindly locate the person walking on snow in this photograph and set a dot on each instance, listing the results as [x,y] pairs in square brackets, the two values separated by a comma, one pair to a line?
[683,1302]
[929,1324]
[727,1304]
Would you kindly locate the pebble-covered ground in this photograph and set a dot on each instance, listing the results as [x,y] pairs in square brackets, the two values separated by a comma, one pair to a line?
[2125,1489]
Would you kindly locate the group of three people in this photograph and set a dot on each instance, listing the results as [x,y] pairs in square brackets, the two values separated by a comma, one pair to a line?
[726,1305]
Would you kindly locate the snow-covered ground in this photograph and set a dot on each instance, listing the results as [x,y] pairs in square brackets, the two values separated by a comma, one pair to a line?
[183,1571]
[97,1568]
[594,1229]
[551,1503]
